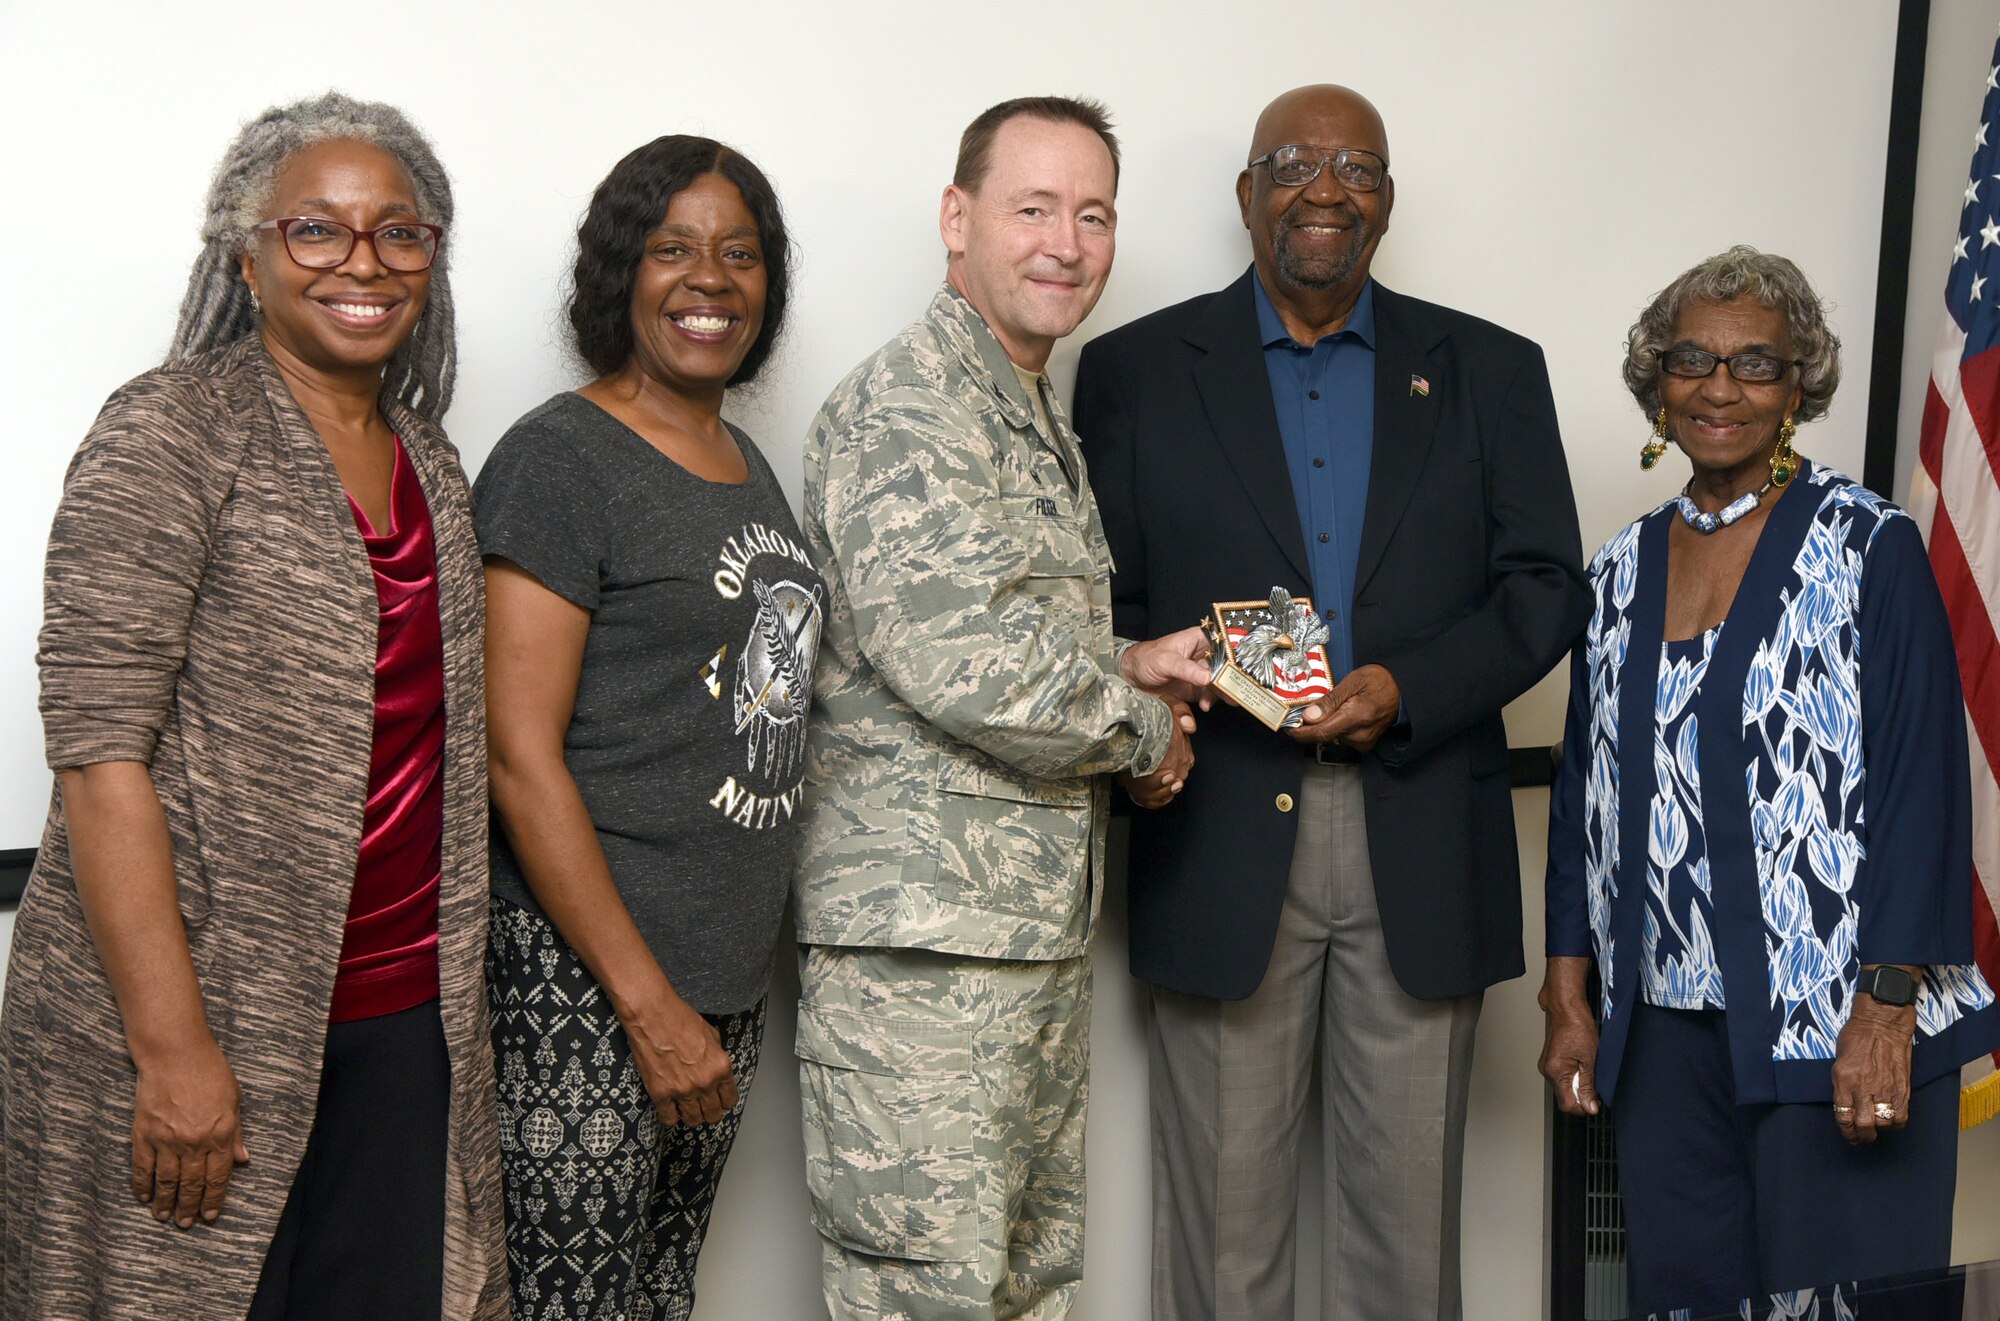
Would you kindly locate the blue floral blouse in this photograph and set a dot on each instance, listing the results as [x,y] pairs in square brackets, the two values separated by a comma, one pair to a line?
[1832,697]
[1677,969]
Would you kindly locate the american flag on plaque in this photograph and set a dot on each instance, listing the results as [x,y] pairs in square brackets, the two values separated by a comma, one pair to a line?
[1955,498]
[1309,682]
[1269,656]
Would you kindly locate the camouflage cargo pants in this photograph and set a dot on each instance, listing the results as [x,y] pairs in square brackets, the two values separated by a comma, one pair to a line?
[944,1104]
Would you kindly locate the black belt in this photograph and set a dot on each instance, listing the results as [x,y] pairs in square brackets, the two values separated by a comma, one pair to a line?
[1335,754]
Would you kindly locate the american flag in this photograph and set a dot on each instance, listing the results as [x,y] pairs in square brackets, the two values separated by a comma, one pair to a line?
[1955,498]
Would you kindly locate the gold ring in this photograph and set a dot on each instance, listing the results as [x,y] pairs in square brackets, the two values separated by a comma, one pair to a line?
[1843,1110]
[1885,1111]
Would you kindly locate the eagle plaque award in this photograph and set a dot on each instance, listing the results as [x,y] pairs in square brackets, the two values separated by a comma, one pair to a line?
[1269,657]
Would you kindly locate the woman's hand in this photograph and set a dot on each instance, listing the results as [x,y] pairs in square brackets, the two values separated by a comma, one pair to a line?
[1871,1068]
[681,1061]
[1569,1046]
[187,1134]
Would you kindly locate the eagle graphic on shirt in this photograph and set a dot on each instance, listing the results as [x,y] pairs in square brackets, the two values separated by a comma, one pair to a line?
[773,688]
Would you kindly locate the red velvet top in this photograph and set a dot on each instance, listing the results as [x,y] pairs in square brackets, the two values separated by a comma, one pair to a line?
[388,959]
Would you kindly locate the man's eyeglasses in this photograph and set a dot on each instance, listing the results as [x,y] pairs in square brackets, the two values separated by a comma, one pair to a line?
[319,244]
[1296,166]
[1749,368]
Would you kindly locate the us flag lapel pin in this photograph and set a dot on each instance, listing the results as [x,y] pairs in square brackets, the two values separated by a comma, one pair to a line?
[1419,386]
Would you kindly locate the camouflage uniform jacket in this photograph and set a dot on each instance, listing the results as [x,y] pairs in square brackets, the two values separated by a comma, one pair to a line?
[968,687]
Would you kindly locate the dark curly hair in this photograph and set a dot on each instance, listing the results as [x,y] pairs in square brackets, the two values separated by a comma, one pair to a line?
[628,206]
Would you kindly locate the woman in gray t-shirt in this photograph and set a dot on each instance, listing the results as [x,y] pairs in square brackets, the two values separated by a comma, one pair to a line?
[652,625]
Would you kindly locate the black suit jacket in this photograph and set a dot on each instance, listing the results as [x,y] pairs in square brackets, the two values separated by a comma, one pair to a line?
[1469,588]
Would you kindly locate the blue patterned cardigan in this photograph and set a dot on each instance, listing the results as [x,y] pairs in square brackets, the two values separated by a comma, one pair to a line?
[1833,698]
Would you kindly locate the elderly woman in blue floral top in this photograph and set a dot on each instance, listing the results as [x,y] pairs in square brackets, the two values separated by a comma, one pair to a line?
[1760,835]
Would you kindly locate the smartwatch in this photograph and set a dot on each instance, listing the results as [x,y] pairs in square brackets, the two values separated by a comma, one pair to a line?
[1889,985]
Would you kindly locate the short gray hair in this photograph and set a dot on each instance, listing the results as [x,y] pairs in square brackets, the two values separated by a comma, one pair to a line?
[216,309]
[1770,279]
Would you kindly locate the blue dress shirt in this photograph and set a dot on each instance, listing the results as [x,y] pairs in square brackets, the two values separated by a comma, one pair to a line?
[1325,397]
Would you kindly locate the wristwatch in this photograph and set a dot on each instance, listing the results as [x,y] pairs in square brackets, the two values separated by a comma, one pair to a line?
[1889,985]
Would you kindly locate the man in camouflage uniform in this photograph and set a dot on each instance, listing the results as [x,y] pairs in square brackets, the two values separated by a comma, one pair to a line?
[971,699]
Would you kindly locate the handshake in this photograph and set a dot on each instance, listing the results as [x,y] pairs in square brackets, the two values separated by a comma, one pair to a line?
[1175,669]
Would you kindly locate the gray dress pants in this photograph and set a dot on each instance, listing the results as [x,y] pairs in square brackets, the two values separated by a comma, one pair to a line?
[1230,1080]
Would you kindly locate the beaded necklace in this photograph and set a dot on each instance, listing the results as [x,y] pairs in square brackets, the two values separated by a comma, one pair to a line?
[1706,523]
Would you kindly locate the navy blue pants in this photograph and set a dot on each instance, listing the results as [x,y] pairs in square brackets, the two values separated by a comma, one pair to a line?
[1726,1201]
[362,1234]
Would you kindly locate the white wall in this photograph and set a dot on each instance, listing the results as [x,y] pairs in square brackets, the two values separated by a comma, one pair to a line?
[1556,164]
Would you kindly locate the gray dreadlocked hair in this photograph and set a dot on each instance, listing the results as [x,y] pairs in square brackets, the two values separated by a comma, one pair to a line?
[217,309]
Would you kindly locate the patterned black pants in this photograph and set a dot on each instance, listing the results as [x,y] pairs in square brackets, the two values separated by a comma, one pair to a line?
[606,1206]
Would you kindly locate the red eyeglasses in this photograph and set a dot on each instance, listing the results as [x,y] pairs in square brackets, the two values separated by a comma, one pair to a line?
[319,244]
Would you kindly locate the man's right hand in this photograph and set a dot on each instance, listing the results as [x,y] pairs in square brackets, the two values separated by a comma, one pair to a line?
[187,1134]
[1174,667]
[1159,788]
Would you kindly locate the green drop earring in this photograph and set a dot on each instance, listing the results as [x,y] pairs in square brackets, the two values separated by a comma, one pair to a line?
[1657,446]
[1785,459]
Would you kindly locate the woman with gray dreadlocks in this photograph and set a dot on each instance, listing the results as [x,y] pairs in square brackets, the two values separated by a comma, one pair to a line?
[246,1060]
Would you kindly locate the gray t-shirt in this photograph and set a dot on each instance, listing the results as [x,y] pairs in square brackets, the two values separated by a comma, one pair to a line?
[688,737]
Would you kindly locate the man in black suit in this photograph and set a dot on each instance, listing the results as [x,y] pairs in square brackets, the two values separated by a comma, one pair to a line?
[1350,890]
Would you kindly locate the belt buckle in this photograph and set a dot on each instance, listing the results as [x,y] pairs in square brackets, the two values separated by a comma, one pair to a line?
[1335,754]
